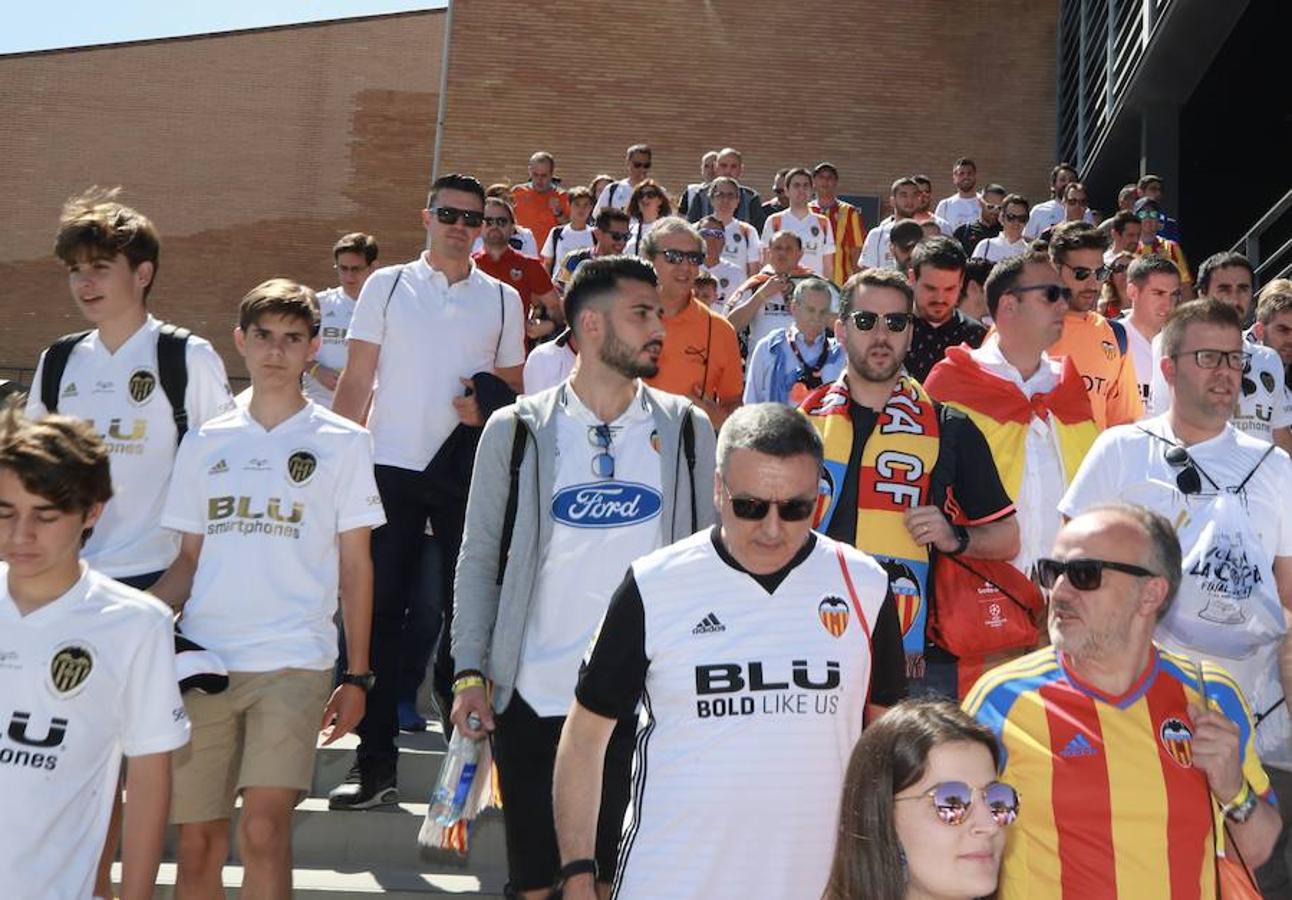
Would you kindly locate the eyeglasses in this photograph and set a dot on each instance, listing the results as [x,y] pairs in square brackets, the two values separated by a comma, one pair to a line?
[1014,217]
[620,236]
[1211,359]
[952,800]
[603,464]
[676,257]
[1053,292]
[1083,574]
[451,215]
[1084,272]
[497,221]
[754,509]
[712,233]
[894,322]
[640,165]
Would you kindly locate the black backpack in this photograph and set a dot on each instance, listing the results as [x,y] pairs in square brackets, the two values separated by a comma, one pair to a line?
[172,371]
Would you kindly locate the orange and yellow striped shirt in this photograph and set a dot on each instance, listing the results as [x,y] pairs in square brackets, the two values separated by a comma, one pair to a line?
[849,235]
[1111,805]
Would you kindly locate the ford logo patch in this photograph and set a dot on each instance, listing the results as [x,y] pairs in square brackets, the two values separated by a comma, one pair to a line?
[606,504]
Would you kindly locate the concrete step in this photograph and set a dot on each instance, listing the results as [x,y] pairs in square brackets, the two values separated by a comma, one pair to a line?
[337,884]
[419,764]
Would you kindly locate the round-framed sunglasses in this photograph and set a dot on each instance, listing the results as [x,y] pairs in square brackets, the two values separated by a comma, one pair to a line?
[952,801]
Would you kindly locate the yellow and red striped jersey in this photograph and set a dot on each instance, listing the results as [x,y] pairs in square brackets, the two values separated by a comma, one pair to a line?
[1111,805]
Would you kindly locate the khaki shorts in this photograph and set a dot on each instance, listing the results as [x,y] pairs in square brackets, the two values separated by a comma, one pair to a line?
[260,732]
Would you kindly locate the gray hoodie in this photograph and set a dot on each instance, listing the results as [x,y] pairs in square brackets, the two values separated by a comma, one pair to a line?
[489,619]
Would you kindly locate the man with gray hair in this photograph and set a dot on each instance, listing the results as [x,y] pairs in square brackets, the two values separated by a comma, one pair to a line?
[801,613]
[792,361]
[731,164]
[708,169]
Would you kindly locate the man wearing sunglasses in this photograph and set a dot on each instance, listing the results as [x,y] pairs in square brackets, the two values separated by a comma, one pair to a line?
[424,334]
[986,222]
[894,458]
[610,233]
[1121,751]
[752,648]
[1151,220]
[524,273]
[1098,347]
[619,486]
[728,275]
[616,194]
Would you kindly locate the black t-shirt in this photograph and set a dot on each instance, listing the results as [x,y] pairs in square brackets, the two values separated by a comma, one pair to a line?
[974,232]
[612,679]
[930,342]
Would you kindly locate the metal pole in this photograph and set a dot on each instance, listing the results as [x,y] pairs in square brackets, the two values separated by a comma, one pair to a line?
[444,92]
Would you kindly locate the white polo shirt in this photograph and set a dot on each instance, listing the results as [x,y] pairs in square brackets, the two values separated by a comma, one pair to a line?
[743,247]
[85,680]
[957,210]
[431,334]
[548,365]
[269,506]
[814,230]
[336,309]
[121,395]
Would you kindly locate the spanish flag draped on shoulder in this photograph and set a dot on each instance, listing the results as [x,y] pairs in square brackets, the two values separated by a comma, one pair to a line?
[1003,413]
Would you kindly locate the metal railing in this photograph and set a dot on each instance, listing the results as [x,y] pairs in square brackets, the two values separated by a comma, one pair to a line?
[1100,45]
[1269,228]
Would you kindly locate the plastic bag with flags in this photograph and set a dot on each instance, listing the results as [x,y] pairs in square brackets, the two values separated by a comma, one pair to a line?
[467,785]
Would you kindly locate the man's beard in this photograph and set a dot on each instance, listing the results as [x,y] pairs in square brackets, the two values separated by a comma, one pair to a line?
[862,366]
[623,358]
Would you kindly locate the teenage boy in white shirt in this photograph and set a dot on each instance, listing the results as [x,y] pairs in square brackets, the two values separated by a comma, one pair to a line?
[813,229]
[575,235]
[1153,287]
[87,673]
[353,257]
[275,503]
[113,378]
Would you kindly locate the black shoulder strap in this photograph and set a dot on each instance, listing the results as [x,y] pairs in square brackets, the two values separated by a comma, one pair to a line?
[556,246]
[51,372]
[688,448]
[1119,332]
[1264,456]
[513,492]
[172,372]
[393,286]
[502,322]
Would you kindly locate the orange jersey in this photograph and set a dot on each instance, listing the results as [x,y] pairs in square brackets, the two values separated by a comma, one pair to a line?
[1109,373]
[700,350]
[849,235]
[537,212]
[1171,250]
[1111,804]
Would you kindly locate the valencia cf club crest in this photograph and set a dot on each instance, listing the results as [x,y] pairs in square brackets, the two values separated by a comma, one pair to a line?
[833,612]
[655,443]
[141,386]
[517,275]
[1109,350]
[301,466]
[1177,740]
[70,669]
[905,586]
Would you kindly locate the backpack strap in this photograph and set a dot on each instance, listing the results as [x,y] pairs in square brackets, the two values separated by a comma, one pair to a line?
[1119,332]
[51,372]
[556,243]
[172,372]
[688,449]
[513,491]
[502,323]
[1264,456]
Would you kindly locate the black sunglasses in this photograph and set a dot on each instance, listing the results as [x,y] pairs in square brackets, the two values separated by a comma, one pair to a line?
[1188,480]
[622,236]
[1053,292]
[1084,272]
[1015,217]
[755,509]
[497,221]
[674,257]
[451,215]
[894,322]
[1083,574]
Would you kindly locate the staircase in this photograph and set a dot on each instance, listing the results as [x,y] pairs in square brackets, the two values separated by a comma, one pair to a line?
[349,854]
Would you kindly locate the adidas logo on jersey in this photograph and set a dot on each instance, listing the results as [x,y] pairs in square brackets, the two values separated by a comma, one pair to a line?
[70,390]
[708,625]
[218,469]
[1078,746]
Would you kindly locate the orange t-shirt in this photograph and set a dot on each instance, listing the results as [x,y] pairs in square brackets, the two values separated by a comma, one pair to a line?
[536,211]
[700,348]
[1108,373]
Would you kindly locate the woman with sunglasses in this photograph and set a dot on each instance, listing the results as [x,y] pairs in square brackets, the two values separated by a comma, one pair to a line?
[923,815]
[1010,241]
[1112,296]
[648,204]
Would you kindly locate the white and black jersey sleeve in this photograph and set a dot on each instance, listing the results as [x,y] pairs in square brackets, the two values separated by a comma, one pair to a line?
[888,656]
[613,675]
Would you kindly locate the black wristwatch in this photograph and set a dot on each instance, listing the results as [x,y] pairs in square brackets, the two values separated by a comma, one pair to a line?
[962,540]
[364,680]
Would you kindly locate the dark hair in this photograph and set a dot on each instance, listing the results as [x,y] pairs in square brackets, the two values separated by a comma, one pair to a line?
[598,277]
[797,170]
[580,192]
[904,181]
[940,252]
[279,297]
[720,180]
[977,268]
[94,226]
[1128,190]
[1069,236]
[892,754]
[879,278]
[1122,219]
[455,181]
[778,234]
[965,161]
[637,150]
[773,429]
[58,458]
[1062,167]
[922,181]
[1146,180]
[704,279]
[1217,261]
[1202,312]
[1164,545]
[1005,274]
[1075,184]
[1143,266]
[1014,200]
[635,199]
[357,242]
[607,215]
[822,166]
[995,188]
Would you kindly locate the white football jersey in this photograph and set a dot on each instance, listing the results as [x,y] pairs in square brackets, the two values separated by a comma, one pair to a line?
[335,312]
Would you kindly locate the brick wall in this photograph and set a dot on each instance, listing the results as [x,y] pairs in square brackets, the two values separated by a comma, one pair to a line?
[254,151]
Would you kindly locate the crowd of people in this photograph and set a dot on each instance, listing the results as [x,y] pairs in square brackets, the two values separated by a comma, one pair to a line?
[776,552]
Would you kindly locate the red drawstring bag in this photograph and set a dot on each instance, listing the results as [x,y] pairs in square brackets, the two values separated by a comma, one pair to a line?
[983,606]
